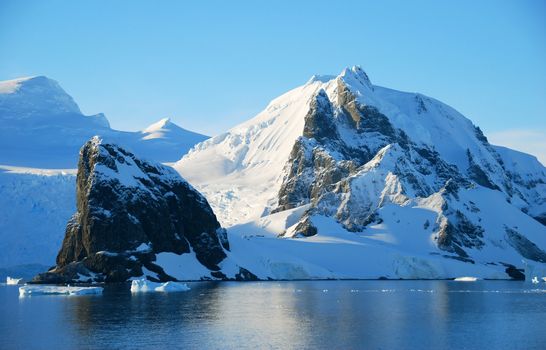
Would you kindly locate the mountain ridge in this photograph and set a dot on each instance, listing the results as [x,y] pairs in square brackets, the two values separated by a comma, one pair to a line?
[44,127]
[340,178]
[344,149]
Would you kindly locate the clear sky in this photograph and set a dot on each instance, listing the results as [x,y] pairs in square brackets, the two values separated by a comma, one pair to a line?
[213,64]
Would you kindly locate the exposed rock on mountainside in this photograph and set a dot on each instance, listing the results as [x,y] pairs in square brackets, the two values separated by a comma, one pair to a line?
[389,169]
[128,211]
[338,178]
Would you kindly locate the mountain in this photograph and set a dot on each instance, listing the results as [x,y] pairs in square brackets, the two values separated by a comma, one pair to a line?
[42,126]
[41,133]
[133,218]
[338,178]
[343,178]
[163,141]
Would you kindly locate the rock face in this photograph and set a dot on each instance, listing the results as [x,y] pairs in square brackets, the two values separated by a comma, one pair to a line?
[129,210]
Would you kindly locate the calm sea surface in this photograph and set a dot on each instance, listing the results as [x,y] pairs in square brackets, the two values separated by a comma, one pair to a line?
[284,315]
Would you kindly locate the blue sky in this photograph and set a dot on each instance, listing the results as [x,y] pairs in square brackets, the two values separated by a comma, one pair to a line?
[212,64]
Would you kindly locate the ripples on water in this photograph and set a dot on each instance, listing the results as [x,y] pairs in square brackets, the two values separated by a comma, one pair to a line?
[284,315]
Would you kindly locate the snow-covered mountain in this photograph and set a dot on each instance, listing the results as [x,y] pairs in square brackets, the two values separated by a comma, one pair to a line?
[42,126]
[361,181]
[338,178]
[163,141]
[41,132]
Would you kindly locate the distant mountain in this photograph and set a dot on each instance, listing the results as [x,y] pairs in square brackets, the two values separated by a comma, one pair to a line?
[42,126]
[361,181]
[163,141]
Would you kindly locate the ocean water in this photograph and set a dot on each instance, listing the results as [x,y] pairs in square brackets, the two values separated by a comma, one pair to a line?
[284,315]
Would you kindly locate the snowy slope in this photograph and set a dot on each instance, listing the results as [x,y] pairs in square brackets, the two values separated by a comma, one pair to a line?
[42,126]
[240,171]
[338,159]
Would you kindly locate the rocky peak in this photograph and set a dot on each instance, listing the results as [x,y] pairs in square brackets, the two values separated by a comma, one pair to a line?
[129,210]
[319,121]
[356,76]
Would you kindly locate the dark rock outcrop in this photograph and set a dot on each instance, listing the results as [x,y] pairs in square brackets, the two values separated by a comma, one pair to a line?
[525,247]
[129,210]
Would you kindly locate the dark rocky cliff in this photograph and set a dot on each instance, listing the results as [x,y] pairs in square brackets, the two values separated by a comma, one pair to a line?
[129,210]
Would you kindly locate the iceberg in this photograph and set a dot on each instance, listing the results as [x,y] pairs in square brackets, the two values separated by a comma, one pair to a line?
[13,281]
[28,290]
[466,279]
[143,285]
[534,271]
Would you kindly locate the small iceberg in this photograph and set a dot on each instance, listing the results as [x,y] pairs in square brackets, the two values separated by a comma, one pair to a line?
[13,281]
[28,290]
[533,270]
[143,286]
[466,279]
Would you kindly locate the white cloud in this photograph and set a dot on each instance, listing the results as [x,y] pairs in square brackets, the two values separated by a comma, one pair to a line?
[524,140]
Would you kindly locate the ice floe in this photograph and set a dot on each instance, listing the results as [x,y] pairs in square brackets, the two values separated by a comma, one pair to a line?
[28,290]
[13,281]
[466,279]
[142,286]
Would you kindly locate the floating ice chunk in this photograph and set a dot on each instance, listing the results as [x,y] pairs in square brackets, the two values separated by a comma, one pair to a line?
[13,281]
[466,279]
[142,286]
[533,270]
[173,287]
[28,290]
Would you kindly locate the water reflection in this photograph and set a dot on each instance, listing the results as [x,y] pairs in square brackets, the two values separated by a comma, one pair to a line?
[286,315]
